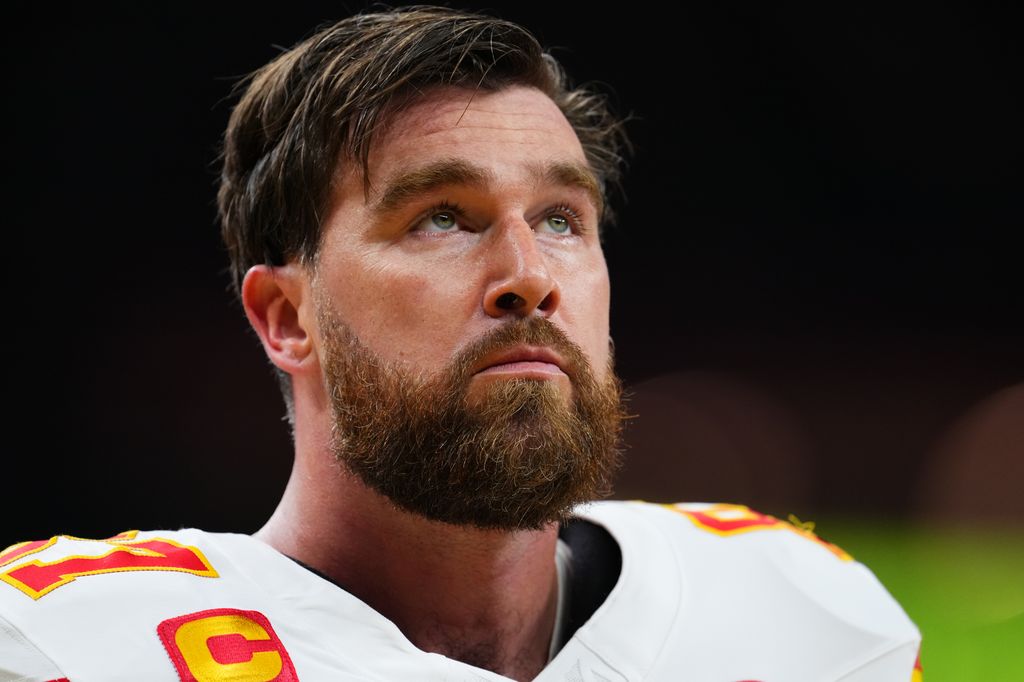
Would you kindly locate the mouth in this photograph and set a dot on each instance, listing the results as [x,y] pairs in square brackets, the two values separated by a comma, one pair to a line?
[524,361]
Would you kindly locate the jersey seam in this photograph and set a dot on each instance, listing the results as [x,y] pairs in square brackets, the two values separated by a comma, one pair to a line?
[875,657]
[17,634]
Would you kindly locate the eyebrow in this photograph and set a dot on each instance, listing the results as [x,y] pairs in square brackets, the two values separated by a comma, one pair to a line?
[412,184]
[408,186]
[573,174]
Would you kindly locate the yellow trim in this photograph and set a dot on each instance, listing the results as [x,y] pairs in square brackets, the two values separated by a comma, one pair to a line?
[119,538]
[120,546]
[49,543]
[758,522]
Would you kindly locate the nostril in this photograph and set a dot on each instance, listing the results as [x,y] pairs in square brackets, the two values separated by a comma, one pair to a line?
[548,303]
[510,301]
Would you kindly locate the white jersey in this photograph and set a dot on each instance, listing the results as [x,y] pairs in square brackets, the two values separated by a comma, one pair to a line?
[706,593]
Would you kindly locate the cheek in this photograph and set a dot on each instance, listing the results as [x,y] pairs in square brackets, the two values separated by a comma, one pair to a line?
[585,309]
[402,312]
[600,330]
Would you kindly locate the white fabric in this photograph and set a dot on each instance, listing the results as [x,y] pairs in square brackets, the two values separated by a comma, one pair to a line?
[690,605]
[563,568]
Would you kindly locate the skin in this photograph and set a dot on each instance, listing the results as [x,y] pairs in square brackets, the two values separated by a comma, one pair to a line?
[416,284]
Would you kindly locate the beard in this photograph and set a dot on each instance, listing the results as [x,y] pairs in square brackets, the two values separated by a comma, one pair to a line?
[518,456]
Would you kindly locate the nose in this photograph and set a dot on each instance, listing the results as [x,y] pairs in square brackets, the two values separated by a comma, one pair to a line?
[520,283]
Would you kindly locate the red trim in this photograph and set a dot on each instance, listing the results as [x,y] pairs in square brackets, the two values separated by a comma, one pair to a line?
[15,552]
[37,578]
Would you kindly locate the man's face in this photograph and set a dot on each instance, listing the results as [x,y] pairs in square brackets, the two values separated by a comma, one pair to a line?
[462,309]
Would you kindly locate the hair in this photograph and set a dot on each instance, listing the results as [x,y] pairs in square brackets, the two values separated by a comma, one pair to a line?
[314,111]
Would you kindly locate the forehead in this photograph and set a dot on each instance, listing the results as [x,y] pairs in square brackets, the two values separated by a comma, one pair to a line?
[502,129]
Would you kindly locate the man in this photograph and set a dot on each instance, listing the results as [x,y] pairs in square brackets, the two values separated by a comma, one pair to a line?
[412,201]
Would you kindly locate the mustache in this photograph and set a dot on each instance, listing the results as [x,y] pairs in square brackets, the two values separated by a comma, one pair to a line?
[532,331]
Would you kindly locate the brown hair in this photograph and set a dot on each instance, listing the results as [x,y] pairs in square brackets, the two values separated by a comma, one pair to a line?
[318,106]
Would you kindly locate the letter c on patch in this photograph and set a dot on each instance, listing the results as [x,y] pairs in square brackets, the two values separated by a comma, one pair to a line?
[226,644]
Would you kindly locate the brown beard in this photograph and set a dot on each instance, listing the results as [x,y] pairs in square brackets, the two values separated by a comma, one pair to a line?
[520,457]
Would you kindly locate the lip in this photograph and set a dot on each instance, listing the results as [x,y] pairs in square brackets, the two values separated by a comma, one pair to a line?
[523,359]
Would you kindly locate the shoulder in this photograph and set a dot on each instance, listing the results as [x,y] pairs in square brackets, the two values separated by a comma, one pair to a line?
[741,575]
[722,539]
[715,532]
[66,568]
[182,604]
[55,594]
[733,539]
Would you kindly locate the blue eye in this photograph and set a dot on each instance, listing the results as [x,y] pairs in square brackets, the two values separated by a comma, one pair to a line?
[440,219]
[443,221]
[558,224]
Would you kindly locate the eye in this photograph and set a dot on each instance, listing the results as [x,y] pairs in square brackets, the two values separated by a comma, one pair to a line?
[561,220]
[557,223]
[438,220]
[442,218]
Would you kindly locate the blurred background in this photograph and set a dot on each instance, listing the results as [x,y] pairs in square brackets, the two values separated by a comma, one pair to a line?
[816,283]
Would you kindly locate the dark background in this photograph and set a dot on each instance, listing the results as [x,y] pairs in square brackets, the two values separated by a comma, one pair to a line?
[816,279]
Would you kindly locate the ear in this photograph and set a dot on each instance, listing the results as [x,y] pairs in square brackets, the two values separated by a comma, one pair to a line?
[276,301]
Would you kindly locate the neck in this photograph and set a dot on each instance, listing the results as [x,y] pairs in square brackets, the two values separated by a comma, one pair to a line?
[484,597]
